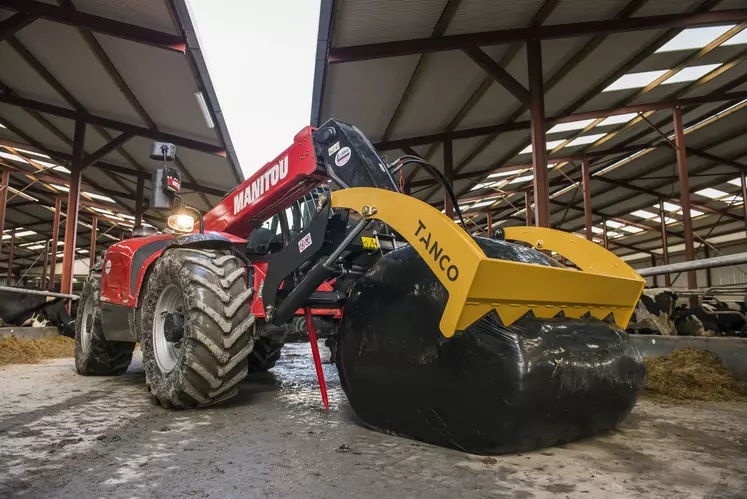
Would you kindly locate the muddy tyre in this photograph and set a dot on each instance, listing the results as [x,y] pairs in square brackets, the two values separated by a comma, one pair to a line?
[265,354]
[94,354]
[196,327]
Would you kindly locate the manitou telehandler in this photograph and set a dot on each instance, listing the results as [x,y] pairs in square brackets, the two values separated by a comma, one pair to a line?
[478,344]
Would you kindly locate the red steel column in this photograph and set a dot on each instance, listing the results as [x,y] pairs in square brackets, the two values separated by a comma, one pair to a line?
[490,224]
[11,250]
[744,198]
[449,174]
[3,202]
[605,240]
[707,254]
[587,198]
[44,267]
[139,201]
[539,129]
[55,238]
[73,201]
[94,233]
[679,138]
[664,243]
[528,207]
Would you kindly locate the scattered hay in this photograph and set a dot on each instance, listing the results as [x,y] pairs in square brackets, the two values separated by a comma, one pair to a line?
[15,351]
[690,374]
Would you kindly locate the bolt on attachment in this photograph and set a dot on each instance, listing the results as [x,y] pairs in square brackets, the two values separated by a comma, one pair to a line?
[369,211]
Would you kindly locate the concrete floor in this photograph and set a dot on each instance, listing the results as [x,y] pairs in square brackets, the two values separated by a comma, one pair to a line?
[63,435]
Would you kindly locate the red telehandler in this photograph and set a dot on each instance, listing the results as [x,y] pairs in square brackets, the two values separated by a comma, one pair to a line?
[484,345]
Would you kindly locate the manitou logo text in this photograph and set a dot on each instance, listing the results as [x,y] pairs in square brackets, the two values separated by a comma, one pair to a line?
[437,252]
[259,186]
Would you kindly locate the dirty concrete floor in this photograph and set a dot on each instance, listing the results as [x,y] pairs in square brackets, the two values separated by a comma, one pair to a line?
[63,435]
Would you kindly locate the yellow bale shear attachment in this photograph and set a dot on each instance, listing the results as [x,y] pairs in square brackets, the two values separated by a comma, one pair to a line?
[604,286]
[457,360]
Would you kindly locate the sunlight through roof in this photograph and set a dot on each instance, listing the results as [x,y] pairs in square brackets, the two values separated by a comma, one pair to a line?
[571,125]
[504,174]
[635,80]
[618,119]
[550,144]
[585,139]
[694,38]
[522,179]
[691,73]
[738,39]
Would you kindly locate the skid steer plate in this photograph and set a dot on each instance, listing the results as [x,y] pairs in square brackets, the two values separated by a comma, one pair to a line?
[605,284]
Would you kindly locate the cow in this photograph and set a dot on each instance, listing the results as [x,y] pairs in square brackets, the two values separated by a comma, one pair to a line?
[657,312]
[17,309]
[733,322]
[708,319]
[654,313]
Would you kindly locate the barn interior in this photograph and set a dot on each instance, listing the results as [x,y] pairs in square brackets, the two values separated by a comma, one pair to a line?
[619,122]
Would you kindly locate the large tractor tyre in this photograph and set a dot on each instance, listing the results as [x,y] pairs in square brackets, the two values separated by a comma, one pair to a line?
[196,327]
[94,354]
[265,354]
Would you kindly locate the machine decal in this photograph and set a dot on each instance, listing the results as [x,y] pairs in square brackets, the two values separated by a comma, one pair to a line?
[304,243]
[369,243]
[333,148]
[343,156]
[438,253]
[261,185]
[108,267]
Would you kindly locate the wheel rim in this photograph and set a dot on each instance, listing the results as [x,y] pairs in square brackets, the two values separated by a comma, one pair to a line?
[86,325]
[167,353]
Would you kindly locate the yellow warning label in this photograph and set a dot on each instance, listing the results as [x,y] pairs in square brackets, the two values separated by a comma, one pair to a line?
[370,243]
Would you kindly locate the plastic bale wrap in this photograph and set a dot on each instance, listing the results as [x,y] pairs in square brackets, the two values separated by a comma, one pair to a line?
[489,389]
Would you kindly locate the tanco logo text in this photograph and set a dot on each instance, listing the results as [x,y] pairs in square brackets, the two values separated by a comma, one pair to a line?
[260,185]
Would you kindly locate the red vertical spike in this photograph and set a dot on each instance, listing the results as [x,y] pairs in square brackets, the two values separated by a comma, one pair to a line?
[317,359]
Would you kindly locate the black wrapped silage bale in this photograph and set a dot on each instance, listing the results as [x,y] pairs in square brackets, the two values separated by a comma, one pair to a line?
[489,389]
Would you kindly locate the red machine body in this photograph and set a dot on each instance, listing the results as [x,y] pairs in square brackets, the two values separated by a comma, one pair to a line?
[278,184]
[273,188]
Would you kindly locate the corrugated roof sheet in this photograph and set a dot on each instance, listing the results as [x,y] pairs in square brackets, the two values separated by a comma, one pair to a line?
[486,15]
[364,21]
[146,13]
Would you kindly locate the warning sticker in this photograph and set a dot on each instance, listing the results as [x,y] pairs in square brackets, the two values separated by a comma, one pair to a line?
[304,243]
[333,149]
[343,156]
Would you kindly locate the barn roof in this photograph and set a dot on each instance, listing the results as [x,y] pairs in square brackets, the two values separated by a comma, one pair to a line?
[417,74]
[134,73]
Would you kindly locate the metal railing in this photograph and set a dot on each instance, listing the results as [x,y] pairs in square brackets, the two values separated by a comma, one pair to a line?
[704,263]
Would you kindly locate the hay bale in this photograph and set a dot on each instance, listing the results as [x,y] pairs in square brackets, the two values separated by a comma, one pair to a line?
[15,351]
[690,374]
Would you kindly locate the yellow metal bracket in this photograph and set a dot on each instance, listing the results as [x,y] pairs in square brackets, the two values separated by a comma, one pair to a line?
[477,284]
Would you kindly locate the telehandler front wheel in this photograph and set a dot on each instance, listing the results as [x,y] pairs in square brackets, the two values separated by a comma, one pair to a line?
[94,354]
[196,327]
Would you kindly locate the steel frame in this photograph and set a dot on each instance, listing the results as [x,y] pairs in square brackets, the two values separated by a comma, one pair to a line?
[98,24]
[487,38]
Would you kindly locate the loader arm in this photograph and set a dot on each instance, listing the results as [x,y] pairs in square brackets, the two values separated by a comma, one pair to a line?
[605,287]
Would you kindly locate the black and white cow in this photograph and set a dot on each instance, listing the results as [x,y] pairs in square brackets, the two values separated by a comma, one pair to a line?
[709,319]
[18,309]
[654,313]
[657,312]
